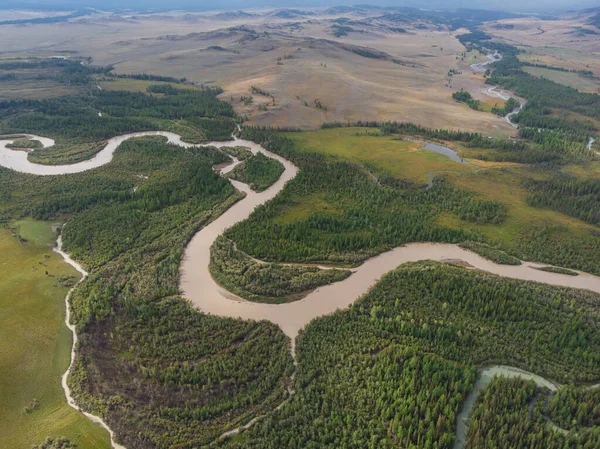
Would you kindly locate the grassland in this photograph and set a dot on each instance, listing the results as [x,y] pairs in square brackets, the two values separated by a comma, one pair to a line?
[501,182]
[567,78]
[213,52]
[381,155]
[585,171]
[523,221]
[552,42]
[33,90]
[35,344]
[403,159]
[134,85]
[570,59]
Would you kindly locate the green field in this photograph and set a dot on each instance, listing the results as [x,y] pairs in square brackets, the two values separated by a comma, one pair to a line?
[527,232]
[567,78]
[33,90]
[403,159]
[379,154]
[35,343]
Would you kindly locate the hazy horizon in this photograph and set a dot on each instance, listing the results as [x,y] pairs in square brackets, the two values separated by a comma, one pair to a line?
[191,5]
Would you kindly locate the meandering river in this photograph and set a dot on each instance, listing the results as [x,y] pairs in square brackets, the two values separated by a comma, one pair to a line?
[198,285]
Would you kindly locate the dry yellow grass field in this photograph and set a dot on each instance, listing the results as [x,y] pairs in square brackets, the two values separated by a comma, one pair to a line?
[553,42]
[206,49]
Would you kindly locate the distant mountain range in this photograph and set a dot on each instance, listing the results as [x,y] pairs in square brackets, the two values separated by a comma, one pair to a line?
[335,5]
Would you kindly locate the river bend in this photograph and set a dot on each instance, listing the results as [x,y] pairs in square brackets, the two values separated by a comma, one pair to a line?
[202,290]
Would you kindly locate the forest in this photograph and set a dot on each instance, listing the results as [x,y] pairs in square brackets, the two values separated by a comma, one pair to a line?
[265,282]
[509,414]
[80,124]
[148,361]
[544,97]
[394,368]
[573,407]
[367,219]
[64,71]
[351,218]
[570,195]
[258,171]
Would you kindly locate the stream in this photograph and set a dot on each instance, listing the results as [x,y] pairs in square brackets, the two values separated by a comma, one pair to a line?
[591,144]
[202,290]
[481,67]
[65,386]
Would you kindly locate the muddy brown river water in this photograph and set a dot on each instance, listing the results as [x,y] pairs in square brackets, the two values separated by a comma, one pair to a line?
[201,289]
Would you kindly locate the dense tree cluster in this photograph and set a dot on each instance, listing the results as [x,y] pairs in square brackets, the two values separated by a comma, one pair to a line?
[464,96]
[502,150]
[363,218]
[558,119]
[558,245]
[66,152]
[570,195]
[258,171]
[544,96]
[572,407]
[368,219]
[160,372]
[265,282]
[148,77]
[479,40]
[81,123]
[110,228]
[24,144]
[509,415]
[56,443]
[64,71]
[394,368]
[396,397]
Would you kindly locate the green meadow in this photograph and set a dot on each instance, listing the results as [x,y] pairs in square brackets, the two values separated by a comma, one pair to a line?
[35,343]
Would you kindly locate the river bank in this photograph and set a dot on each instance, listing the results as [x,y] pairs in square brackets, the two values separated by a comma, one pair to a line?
[197,284]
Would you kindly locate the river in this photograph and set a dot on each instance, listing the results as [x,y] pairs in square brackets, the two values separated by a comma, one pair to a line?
[201,289]
[198,285]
